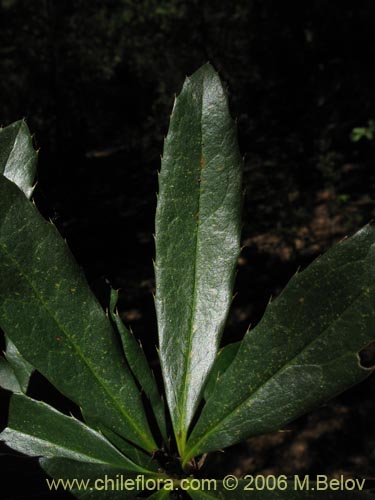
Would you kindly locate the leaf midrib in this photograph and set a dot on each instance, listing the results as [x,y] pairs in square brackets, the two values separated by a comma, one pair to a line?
[88,458]
[76,348]
[195,281]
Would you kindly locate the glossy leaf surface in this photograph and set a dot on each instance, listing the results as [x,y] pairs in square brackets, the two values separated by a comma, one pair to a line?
[8,379]
[139,366]
[302,353]
[18,159]
[22,369]
[197,240]
[136,455]
[222,362]
[37,429]
[48,311]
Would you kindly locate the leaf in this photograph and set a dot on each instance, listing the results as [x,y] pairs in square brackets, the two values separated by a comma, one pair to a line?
[197,240]
[224,358]
[79,478]
[18,159]
[8,379]
[135,454]
[289,493]
[22,369]
[139,366]
[48,311]
[303,352]
[37,429]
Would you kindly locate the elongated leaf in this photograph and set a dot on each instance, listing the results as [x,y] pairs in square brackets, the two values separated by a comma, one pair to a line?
[303,352]
[197,240]
[137,360]
[37,429]
[8,379]
[87,480]
[290,493]
[223,359]
[48,311]
[18,159]
[22,369]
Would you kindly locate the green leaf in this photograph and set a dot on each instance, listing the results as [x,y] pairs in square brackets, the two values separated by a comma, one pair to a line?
[135,454]
[18,159]
[36,429]
[290,493]
[139,366]
[8,379]
[49,312]
[303,352]
[79,478]
[22,369]
[197,240]
[224,358]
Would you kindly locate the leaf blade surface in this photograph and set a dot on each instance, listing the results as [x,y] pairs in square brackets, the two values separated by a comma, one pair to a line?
[18,162]
[18,159]
[37,429]
[222,362]
[8,379]
[303,352]
[140,367]
[49,313]
[22,369]
[197,240]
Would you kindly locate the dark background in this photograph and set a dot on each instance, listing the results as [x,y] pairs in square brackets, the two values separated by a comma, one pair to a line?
[96,80]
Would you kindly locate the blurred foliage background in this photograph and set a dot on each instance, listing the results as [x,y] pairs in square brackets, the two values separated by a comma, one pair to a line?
[96,80]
